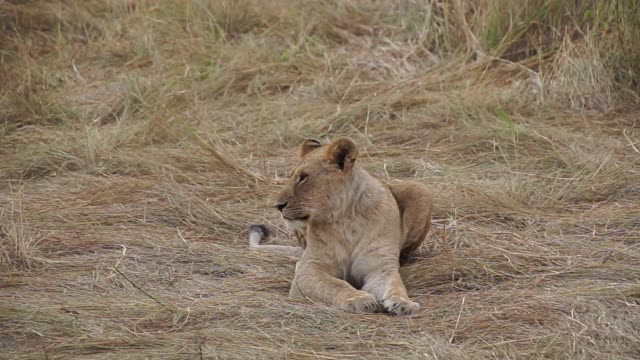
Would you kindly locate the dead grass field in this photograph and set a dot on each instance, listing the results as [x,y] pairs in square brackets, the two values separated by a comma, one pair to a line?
[139,139]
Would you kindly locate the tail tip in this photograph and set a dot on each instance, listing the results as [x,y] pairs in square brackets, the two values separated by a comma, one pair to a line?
[262,230]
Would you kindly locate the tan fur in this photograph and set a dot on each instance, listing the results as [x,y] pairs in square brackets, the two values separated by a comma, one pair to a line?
[352,229]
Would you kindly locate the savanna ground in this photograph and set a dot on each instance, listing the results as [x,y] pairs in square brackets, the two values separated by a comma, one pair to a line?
[138,139]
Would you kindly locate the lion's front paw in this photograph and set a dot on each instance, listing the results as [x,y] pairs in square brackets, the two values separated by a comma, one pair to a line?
[401,306]
[363,302]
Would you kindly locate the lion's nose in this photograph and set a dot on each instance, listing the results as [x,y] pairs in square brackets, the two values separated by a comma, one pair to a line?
[281,206]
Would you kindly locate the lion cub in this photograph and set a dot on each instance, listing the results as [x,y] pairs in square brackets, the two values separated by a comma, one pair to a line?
[352,230]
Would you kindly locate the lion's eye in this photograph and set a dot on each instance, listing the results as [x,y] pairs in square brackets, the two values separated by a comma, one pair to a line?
[302,178]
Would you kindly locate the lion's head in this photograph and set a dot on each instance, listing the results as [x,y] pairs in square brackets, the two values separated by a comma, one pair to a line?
[322,176]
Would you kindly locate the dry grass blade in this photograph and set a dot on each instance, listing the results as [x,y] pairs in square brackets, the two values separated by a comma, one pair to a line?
[226,161]
[115,268]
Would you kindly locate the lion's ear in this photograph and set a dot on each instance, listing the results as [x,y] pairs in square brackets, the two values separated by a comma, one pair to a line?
[342,152]
[308,146]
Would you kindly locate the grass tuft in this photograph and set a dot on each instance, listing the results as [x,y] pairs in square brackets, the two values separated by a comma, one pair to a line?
[19,242]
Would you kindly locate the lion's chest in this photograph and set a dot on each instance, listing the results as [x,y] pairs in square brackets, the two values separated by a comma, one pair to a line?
[346,243]
[357,243]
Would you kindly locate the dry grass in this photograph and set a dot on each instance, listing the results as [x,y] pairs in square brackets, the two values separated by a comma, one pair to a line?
[138,139]
[18,241]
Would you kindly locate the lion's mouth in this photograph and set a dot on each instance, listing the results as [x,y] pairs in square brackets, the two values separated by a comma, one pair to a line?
[304,217]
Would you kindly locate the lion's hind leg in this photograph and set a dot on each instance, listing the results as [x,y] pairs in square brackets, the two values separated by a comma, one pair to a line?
[414,201]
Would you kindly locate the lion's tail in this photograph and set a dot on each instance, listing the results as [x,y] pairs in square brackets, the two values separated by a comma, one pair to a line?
[257,234]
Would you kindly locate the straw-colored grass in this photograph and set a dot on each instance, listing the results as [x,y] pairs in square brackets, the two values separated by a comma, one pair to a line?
[139,138]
